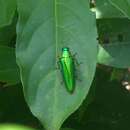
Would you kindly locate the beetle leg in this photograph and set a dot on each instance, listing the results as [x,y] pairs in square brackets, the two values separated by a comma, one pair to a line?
[74,55]
[58,65]
[76,61]
[80,80]
[62,82]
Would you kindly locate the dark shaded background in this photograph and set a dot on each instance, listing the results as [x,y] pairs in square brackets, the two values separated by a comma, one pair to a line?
[108,108]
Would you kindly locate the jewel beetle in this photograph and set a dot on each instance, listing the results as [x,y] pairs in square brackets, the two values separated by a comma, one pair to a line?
[67,67]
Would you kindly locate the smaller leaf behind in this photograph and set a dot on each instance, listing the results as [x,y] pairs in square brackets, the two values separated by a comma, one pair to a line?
[114,39]
[7,12]
[123,6]
[104,9]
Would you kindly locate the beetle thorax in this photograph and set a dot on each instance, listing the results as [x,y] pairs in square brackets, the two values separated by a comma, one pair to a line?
[65,54]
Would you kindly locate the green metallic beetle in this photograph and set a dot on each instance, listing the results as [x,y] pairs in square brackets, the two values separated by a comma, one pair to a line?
[67,67]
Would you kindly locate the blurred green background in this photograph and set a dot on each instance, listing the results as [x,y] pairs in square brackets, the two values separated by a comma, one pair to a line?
[108,108]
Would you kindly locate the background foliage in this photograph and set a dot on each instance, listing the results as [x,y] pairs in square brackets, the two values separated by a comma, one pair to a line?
[23,31]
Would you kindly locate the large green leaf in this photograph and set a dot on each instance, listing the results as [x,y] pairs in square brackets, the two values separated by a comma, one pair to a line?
[7,11]
[9,73]
[115,35]
[104,9]
[44,27]
[123,6]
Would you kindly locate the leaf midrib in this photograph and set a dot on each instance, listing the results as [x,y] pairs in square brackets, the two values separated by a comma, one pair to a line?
[56,45]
